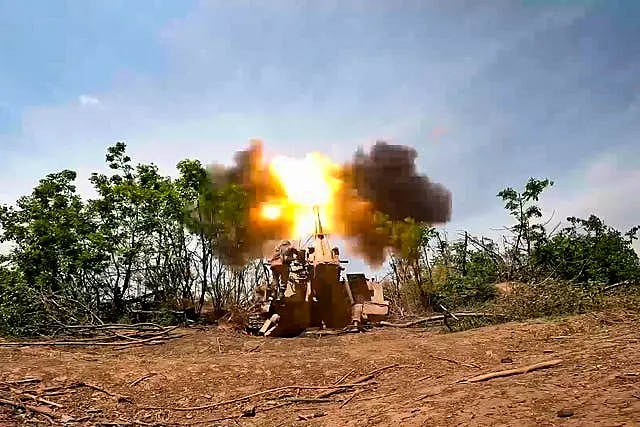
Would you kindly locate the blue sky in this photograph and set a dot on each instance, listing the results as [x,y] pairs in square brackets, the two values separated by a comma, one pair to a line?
[521,88]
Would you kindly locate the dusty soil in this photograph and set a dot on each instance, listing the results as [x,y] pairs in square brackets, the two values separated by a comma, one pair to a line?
[598,379]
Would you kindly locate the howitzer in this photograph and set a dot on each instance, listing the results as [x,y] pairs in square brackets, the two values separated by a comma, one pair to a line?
[309,290]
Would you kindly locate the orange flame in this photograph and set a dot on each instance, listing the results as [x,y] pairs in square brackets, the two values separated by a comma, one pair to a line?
[308,182]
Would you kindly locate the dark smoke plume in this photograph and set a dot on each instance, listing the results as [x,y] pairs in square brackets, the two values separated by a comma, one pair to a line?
[387,181]
[387,177]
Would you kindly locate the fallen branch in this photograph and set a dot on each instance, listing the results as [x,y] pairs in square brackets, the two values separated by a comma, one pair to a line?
[384,368]
[24,381]
[142,378]
[367,377]
[436,318]
[137,326]
[47,413]
[251,350]
[371,375]
[617,285]
[355,393]
[179,423]
[308,400]
[517,371]
[151,341]
[119,397]
[37,399]
[469,365]
[344,377]
[250,396]
[154,337]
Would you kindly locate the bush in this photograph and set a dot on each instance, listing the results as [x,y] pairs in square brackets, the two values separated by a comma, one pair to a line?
[467,291]
[21,312]
[549,298]
[589,252]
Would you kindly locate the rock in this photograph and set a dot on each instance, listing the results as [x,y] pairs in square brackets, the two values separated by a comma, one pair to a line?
[506,360]
[565,413]
[249,411]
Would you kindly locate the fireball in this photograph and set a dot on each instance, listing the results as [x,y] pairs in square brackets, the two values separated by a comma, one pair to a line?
[308,183]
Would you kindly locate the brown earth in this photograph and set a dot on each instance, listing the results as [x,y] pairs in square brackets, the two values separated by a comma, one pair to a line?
[598,379]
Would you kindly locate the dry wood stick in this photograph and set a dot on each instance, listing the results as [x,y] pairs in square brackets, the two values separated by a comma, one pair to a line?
[308,400]
[516,371]
[91,386]
[435,318]
[63,343]
[179,423]
[255,348]
[142,378]
[116,326]
[344,377]
[384,368]
[24,381]
[337,390]
[151,341]
[359,380]
[107,392]
[370,375]
[260,393]
[469,365]
[355,393]
[26,407]
[39,399]
[62,387]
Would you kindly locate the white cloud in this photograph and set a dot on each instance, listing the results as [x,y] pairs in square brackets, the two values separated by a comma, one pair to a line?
[88,100]
[607,187]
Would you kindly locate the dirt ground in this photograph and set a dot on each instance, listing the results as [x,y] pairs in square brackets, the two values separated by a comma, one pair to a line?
[597,382]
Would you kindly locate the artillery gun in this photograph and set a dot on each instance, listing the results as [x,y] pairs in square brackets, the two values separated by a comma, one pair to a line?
[308,289]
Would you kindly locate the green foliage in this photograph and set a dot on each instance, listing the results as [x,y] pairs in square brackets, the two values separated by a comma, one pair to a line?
[21,312]
[548,298]
[472,280]
[589,252]
[560,274]
[145,242]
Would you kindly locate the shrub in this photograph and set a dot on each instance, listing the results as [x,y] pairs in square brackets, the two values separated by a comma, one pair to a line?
[21,312]
[548,298]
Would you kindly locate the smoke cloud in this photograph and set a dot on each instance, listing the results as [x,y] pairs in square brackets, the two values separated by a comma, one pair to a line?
[243,234]
[383,182]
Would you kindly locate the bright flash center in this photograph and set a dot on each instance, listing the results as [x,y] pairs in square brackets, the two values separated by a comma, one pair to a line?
[271,211]
[307,182]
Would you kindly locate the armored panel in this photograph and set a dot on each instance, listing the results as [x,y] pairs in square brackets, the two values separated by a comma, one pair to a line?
[359,288]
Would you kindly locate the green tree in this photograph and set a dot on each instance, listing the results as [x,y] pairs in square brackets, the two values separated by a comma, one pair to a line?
[134,214]
[55,249]
[522,208]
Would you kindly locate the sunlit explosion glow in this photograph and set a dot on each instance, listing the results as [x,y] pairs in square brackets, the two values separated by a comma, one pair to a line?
[307,182]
